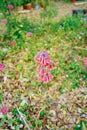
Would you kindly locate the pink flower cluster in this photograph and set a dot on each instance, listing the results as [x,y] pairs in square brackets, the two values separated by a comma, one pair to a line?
[1,66]
[45,64]
[4,21]
[12,43]
[3,110]
[29,34]
[85,62]
[10,6]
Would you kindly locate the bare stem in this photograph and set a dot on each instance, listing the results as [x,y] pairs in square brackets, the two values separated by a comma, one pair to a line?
[22,117]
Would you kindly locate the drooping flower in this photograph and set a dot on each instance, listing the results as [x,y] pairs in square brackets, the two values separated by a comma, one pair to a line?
[45,64]
[85,62]
[4,21]
[41,69]
[12,43]
[10,6]
[46,77]
[1,66]
[4,110]
[29,34]
[49,65]
[42,57]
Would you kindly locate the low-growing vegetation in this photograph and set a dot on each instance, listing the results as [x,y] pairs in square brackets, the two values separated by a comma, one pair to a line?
[58,100]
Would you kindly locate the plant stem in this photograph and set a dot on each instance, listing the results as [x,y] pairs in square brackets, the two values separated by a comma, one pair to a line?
[22,117]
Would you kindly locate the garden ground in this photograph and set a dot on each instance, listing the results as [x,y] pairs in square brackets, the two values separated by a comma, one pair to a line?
[60,104]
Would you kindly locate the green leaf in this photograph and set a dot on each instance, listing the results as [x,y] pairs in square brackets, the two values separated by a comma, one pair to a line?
[42,113]
[83,126]
[39,122]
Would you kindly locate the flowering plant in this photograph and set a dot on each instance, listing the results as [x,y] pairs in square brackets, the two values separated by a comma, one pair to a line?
[12,43]
[85,62]
[4,21]
[45,64]
[10,6]
[1,66]
[29,34]
[4,110]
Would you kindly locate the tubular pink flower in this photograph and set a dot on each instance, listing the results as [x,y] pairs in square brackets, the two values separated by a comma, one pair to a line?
[4,110]
[10,6]
[42,57]
[85,62]
[49,65]
[4,21]
[1,66]
[46,77]
[29,34]
[41,69]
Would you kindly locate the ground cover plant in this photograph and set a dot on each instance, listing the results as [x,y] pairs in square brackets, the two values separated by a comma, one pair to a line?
[59,100]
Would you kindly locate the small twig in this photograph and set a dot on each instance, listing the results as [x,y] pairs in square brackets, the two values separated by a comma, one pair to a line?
[80,48]
[22,117]
[80,3]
